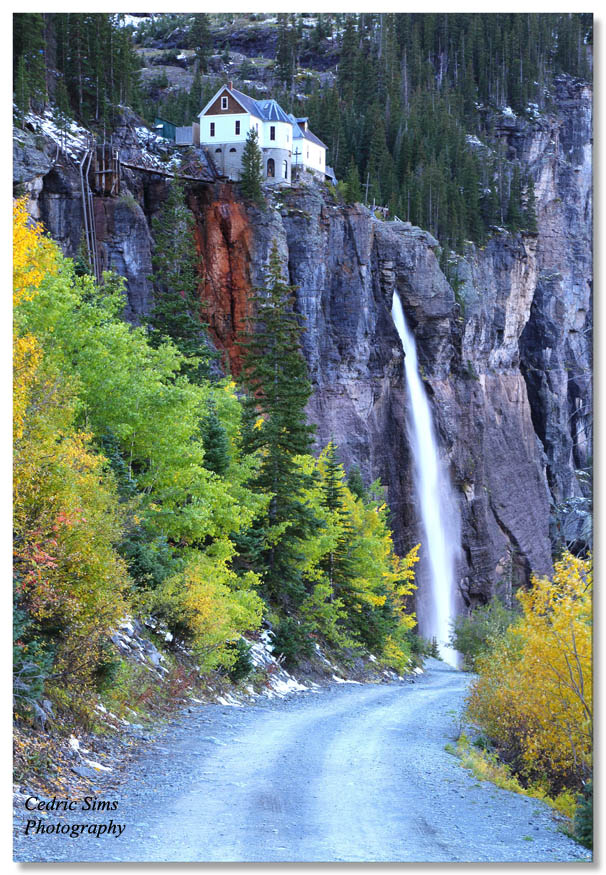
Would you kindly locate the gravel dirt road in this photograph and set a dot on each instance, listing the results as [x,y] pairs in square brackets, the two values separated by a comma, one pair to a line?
[353,773]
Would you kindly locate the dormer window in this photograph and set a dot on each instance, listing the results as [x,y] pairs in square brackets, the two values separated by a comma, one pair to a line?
[224,102]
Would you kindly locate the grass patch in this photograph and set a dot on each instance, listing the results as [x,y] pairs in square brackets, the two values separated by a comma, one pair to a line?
[485,766]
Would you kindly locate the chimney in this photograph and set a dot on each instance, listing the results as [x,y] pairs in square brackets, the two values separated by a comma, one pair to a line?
[231,85]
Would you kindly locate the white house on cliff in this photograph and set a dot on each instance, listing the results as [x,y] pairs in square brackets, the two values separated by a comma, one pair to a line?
[286,142]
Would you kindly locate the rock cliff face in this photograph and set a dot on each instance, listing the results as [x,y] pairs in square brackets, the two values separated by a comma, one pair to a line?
[506,361]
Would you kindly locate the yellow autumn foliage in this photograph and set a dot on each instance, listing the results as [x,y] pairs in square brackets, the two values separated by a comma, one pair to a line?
[210,605]
[34,256]
[533,695]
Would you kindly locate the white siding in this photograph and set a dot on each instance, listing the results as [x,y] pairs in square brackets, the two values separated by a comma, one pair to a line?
[225,128]
[283,136]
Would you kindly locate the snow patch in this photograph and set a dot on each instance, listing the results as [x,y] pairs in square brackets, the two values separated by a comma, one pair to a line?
[97,766]
[70,136]
[339,680]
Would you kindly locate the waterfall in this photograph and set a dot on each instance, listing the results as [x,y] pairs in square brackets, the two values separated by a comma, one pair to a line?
[436,602]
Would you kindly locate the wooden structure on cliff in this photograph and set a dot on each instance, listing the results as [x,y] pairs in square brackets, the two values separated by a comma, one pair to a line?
[100,170]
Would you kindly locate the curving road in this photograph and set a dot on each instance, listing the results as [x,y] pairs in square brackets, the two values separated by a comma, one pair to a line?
[353,773]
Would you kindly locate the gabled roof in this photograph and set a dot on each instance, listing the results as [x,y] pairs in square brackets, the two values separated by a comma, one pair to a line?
[247,103]
[299,132]
[313,139]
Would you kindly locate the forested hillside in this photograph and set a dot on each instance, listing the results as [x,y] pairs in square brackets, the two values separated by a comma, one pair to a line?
[412,107]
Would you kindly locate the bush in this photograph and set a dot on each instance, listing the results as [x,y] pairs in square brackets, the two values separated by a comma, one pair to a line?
[583,819]
[32,662]
[210,606]
[243,664]
[474,635]
[533,695]
[293,641]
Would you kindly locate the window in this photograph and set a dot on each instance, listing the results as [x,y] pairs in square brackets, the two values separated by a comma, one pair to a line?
[308,153]
[285,169]
[212,129]
[217,150]
[272,132]
[271,168]
[224,103]
[237,127]
[287,137]
[232,149]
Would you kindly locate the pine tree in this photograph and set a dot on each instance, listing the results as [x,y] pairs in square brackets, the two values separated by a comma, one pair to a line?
[275,377]
[200,39]
[337,562]
[286,59]
[251,173]
[355,483]
[216,443]
[352,181]
[530,212]
[176,311]
[515,218]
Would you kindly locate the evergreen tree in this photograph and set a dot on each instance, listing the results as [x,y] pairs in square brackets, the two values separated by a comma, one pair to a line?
[251,173]
[176,311]
[216,443]
[352,182]
[355,483]
[337,562]
[530,211]
[286,52]
[200,39]
[515,218]
[275,376]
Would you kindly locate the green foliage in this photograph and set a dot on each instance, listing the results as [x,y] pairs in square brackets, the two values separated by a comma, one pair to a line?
[243,664]
[89,54]
[475,634]
[583,819]
[353,190]
[32,661]
[292,641]
[355,483]
[276,429]
[209,605]
[177,309]
[149,506]
[200,39]
[216,443]
[418,103]
[251,173]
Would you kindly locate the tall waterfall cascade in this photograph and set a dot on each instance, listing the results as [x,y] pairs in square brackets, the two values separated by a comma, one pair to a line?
[436,599]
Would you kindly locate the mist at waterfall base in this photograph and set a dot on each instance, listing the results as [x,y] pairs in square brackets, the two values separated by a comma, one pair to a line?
[436,600]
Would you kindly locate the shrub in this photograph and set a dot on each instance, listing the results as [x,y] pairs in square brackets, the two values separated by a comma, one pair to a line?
[533,696]
[293,641]
[474,635]
[243,664]
[583,819]
[209,605]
